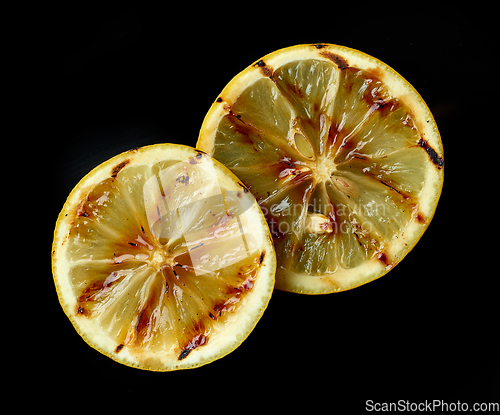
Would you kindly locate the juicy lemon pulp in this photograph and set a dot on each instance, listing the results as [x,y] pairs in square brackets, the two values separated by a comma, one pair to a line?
[338,158]
[163,257]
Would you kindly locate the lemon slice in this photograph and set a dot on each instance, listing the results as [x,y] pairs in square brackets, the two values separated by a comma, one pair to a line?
[162,259]
[343,156]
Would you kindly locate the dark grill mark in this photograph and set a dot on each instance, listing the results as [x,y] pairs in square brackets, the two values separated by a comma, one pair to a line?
[438,161]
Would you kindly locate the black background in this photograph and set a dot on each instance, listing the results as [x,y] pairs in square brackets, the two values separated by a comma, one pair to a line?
[427,330]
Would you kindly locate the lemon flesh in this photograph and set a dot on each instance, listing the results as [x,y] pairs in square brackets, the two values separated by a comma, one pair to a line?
[343,156]
[162,259]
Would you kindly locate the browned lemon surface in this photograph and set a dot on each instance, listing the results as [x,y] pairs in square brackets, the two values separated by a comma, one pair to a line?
[139,285]
[159,258]
[336,159]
